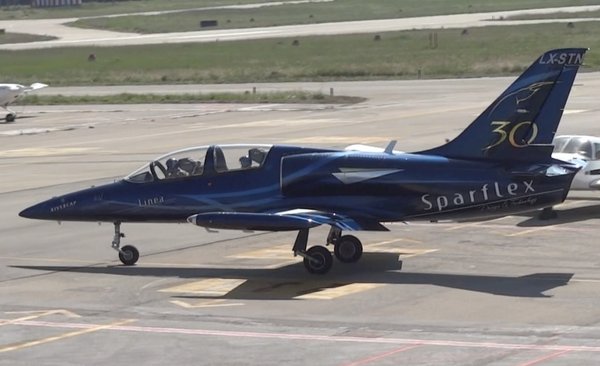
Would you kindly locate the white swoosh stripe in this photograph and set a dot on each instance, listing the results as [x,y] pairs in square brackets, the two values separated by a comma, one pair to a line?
[349,177]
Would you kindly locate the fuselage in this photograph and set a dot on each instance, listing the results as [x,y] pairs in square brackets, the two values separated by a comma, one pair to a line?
[375,186]
[9,93]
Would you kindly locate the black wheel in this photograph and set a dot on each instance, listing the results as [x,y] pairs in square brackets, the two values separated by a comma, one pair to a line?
[348,249]
[129,255]
[319,260]
[11,117]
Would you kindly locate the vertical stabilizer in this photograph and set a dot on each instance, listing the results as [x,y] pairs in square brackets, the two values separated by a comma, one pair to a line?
[520,124]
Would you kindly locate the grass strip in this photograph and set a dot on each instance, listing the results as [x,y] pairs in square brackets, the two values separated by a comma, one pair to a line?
[98,8]
[188,98]
[22,38]
[311,13]
[475,52]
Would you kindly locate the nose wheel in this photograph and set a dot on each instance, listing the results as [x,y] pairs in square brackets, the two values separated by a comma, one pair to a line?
[128,254]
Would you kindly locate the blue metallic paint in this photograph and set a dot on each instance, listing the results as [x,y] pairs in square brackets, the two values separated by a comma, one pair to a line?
[499,165]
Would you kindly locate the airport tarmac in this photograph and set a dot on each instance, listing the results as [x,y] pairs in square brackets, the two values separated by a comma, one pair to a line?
[510,291]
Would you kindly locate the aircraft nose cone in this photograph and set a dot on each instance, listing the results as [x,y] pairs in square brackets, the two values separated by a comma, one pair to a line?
[52,209]
[38,211]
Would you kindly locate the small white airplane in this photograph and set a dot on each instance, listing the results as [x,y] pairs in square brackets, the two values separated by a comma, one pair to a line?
[583,151]
[9,93]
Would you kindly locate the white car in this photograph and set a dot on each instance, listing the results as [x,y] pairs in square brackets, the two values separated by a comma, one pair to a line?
[581,150]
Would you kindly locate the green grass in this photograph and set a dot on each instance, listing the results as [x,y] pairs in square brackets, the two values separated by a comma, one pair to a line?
[558,15]
[339,10]
[107,8]
[22,38]
[485,51]
[128,98]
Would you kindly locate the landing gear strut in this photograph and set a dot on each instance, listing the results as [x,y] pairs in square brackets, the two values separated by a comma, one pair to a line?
[548,213]
[318,259]
[128,254]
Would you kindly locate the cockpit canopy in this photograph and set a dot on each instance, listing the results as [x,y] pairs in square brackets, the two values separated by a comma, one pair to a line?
[589,149]
[198,161]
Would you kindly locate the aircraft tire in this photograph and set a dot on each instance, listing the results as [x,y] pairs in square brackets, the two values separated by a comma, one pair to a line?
[11,117]
[348,249]
[129,255]
[320,260]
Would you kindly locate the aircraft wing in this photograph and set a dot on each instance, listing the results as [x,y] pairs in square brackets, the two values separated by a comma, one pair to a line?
[283,221]
[36,86]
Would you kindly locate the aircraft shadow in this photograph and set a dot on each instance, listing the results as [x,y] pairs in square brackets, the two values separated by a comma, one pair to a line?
[291,281]
[565,216]
[4,121]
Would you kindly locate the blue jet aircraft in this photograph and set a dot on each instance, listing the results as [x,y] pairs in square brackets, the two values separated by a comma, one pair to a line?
[499,165]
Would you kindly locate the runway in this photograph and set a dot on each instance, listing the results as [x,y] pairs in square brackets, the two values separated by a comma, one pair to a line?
[511,291]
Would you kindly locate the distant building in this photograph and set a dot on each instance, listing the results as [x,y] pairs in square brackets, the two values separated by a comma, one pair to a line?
[53,3]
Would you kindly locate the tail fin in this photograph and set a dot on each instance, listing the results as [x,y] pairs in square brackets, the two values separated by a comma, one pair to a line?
[521,123]
[36,86]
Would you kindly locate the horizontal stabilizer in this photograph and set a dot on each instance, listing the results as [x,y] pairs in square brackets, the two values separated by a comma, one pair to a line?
[36,86]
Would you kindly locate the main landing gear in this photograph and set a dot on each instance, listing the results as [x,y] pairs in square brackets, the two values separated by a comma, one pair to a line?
[10,117]
[128,254]
[318,259]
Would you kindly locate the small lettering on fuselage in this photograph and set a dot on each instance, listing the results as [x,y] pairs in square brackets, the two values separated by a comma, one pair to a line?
[486,193]
[62,206]
[152,201]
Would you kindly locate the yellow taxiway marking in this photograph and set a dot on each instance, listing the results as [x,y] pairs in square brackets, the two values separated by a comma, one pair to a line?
[584,280]
[284,252]
[528,231]
[474,223]
[44,151]
[337,140]
[278,252]
[385,242]
[335,292]
[384,247]
[205,304]
[59,337]
[213,287]
[59,260]
[574,111]
[37,314]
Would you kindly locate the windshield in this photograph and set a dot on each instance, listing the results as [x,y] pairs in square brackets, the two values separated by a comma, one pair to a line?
[578,145]
[190,162]
[178,164]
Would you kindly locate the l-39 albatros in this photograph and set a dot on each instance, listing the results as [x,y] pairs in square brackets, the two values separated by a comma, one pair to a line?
[499,165]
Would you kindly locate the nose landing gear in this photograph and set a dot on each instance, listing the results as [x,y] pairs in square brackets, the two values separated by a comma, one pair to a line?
[128,254]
